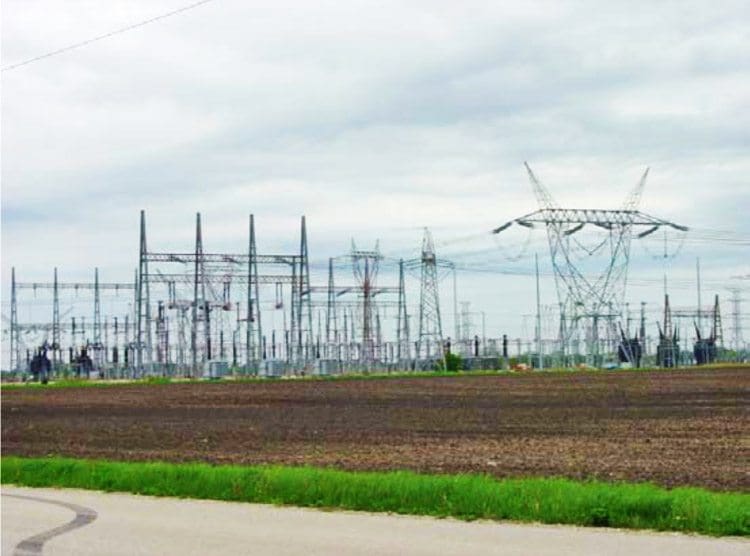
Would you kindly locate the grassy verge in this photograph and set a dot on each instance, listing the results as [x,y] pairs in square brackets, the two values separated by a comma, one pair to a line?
[84,383]
[78,383]
[635,506]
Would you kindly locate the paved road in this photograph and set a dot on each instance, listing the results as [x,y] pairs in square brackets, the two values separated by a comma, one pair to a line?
[55,522]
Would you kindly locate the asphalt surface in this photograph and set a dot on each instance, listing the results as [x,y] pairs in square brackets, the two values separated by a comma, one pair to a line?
[57,522]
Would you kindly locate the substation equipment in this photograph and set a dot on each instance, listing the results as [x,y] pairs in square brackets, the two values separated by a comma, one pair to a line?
[201,313]
[213,302]
[72,345]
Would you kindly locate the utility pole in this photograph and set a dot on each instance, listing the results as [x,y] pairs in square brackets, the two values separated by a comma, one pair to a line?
[97,323]
[72,338]
[698,284]
[664,260]
[199,300]
[254,329]
[304,314]
[331,320]
[484,334]
[402,326]
[55,324]
[115,347]
[249,300]
[132,362]
[563,337]
[538,316]
[15,354]
[368,343]
[456,325]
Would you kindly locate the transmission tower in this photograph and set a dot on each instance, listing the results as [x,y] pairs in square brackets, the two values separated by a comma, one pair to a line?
[738,342]
[200,303]
[595,298]
[430,327]
[143,304]
[332,330]
[403,351]
[466,324]
[253,330]
[717,330]
[301,292]
[365,265]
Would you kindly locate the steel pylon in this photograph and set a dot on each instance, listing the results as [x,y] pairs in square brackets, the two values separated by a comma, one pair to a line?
[594,293]
[430,339]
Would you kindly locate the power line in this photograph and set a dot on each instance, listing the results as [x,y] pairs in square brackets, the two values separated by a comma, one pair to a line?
[106,35]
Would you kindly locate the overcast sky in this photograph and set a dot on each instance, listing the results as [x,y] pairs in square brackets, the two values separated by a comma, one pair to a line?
[374,119]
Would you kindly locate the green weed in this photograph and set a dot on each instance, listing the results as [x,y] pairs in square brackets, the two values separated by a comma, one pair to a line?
[546,500]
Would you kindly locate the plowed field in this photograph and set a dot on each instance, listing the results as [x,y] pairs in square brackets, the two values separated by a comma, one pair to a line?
[672,428]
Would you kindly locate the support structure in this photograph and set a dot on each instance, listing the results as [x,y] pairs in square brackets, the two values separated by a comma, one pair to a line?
[303,331]
[717,330]
[668,350]
[143,304]
[540,355]
[254,328]
[332,330]
[403,355]
[15,354]
[56,324]
[738,343]
[97,347]
[201,308]
[200,288]
[49,335]
[365,266]
[430,339]
[591,298]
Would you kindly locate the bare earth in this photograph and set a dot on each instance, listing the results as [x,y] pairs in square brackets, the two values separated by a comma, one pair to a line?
[671,428]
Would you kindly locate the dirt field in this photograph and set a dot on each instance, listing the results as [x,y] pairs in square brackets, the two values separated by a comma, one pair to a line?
[672,428]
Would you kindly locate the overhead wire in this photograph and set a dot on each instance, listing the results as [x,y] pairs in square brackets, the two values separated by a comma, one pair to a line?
[105,35]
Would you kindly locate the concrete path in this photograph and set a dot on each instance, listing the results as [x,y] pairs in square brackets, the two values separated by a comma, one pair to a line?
[56,522]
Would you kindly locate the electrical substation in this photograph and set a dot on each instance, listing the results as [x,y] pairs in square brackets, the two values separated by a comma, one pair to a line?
[202,313]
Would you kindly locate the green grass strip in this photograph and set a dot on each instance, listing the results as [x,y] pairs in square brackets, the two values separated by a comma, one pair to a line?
[354,376]
[546,500]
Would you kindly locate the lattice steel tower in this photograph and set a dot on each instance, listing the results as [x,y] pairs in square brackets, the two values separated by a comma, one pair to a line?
[365,265]
[593,296]
[430,340]
[403,349]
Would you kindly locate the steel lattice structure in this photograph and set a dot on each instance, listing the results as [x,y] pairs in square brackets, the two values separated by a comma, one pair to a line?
[430,324]
[55,328]
[211,277]
[365,265]
[596,296]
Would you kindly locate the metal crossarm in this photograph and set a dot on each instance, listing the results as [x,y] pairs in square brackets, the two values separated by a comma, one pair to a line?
[597,217]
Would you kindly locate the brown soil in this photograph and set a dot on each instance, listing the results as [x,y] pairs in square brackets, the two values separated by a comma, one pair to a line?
[672,428]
